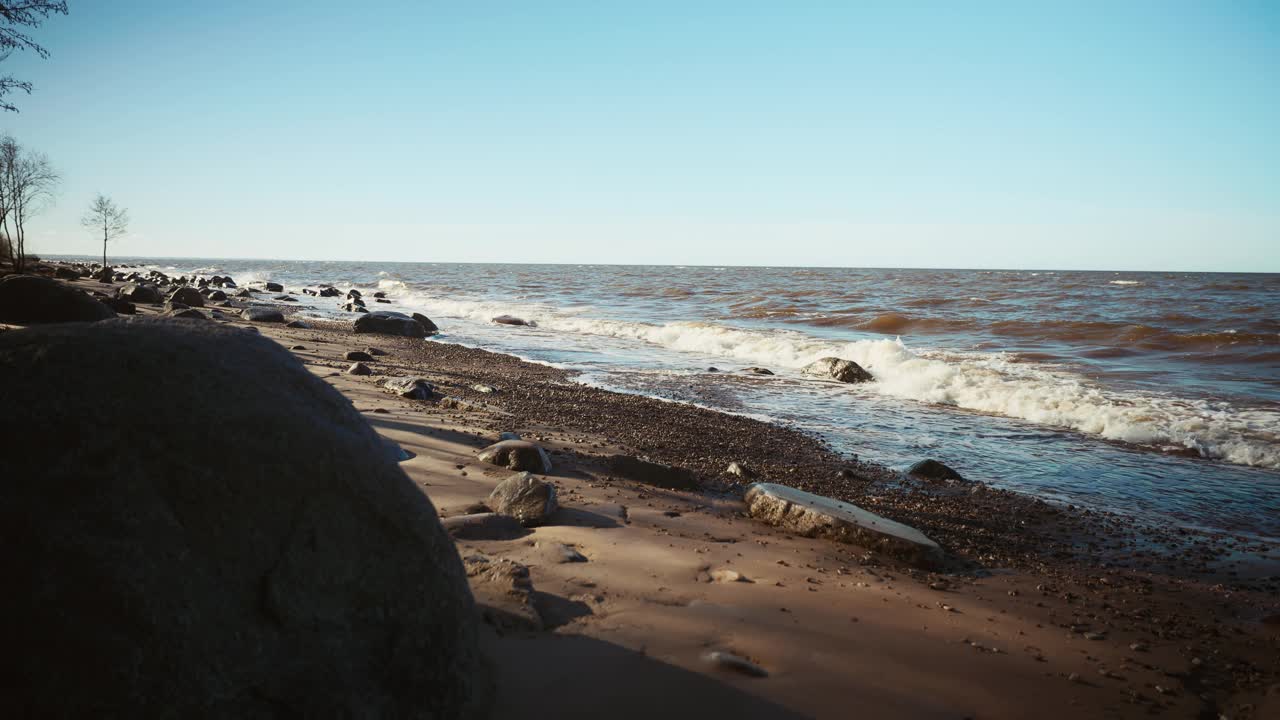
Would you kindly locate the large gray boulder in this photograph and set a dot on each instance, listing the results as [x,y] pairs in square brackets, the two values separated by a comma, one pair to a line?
[299,573]
[517,455]
[845,371]
[385,322]
[525,498]
[31,299]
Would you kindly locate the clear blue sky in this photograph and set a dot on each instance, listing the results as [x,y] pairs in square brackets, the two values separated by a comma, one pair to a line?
[1103,135]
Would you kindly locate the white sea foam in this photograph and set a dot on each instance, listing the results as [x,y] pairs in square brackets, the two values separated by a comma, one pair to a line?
[1125,282]
[983,382]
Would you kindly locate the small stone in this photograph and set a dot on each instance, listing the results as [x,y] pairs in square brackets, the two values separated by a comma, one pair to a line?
[358,355]
[359,368]
[727,576]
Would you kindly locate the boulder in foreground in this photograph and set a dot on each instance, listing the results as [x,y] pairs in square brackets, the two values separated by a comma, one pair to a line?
[845,371]
[298,574]
[385,322]
[525,498]
[817,516]
[517,455]
[31,299]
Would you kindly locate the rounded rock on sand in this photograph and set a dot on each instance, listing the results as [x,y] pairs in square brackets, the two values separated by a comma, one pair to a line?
[525,498]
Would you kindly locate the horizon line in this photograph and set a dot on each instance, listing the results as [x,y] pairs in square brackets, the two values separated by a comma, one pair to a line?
[79,256]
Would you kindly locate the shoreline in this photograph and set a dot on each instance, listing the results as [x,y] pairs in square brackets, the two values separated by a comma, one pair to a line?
[1081,587]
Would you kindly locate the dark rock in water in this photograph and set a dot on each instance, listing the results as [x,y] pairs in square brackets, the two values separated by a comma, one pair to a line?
[297,324]
[307,578]
[217,295]
[384,322]
[411,388]
[262,314]
[483,526]
[359,368]
[329,291]
[244,293]
[525,498]
[353,294]
[426,323]
[309,291]
[105,275]
[62,272]
[31,299]
[510,320]
[285,298]
[120,305]
[933,470]
[187,296]
[381,300]
[185,314]
[274,287]
[353,307]
[379,294]
[358,355]
[142,293]
[713,369]
[652,473]
[517,455]
[845,371]
[757,370]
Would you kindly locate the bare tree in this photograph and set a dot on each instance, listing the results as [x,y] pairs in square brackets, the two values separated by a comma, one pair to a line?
[28,183]
[15,17]
[105,216]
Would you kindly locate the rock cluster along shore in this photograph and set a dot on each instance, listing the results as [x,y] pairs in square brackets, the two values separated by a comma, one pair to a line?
[36,299]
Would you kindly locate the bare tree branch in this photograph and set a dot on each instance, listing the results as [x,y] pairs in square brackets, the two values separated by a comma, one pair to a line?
[14,18]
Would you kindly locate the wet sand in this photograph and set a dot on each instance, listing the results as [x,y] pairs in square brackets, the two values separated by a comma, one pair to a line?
[1042,611]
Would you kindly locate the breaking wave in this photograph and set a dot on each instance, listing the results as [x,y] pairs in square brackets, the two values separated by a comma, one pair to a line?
[993,383]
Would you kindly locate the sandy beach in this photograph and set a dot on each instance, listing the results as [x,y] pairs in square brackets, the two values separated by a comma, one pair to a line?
[619,604]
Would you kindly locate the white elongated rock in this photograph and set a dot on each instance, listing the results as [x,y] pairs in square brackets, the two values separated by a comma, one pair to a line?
[817,516]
